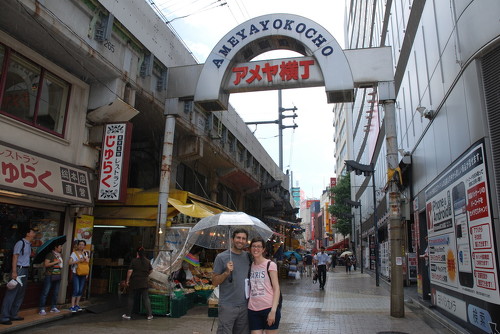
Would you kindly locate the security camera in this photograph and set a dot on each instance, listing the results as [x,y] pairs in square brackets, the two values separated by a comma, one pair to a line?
[426,113]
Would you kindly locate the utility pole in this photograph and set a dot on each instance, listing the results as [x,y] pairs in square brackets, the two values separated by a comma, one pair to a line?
[356,234]
[369,170]
[281,117]
[279,121]
[387,97]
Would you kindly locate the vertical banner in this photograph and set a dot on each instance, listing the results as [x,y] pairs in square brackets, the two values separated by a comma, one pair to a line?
[412,266]
[461,239]
[84,229]
[115,153]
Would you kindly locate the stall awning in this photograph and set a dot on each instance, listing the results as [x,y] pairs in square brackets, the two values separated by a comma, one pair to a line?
[341,244]
[141,208]
[281,221]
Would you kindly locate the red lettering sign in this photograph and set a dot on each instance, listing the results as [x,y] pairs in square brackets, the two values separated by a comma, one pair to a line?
[290,70]
[477,204]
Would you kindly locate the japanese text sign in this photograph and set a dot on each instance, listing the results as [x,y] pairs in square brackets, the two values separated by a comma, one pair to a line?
[114,162]
[27,172]
[275,74]
[460,228]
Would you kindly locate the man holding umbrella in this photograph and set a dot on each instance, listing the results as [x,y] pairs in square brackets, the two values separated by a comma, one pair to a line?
[20,266]
[231,268]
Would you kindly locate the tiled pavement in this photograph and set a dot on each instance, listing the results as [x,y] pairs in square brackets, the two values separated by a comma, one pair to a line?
[349,304]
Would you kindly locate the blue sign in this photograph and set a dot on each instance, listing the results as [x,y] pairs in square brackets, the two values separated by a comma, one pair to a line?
[479,318]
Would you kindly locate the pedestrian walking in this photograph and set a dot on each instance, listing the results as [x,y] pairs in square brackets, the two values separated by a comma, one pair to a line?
[264,311]
[230,271]
[348,264]
[334,260]
[322,260]
[292,266]
[137,280]
[308,262]
[79,261]
[53,268]
[20,265]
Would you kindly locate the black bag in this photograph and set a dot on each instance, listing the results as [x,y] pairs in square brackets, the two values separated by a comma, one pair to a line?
[268,264]
[281,295]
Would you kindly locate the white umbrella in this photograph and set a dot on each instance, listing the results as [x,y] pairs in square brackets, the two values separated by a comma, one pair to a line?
[214,232]
[346,253]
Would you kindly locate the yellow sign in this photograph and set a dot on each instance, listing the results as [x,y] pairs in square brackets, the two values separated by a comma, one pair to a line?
[84,229]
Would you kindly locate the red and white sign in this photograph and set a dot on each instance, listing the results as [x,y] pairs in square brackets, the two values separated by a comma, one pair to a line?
[114,162]
[460,226]
[27,172]
[481,236]
[477,204]
[483,260]
[275,74]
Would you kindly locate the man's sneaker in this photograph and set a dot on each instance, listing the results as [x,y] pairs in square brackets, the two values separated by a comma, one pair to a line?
[126,317]
[73,309]
[54,310]
[78,308]
[150,317]
[42,312]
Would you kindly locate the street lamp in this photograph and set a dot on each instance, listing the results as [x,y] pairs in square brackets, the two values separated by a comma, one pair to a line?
[356,204]
[367,170]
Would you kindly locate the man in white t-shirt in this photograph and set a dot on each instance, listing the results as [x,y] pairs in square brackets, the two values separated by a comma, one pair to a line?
[322,261]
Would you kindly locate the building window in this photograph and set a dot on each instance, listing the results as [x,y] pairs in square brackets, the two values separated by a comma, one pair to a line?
[31,94]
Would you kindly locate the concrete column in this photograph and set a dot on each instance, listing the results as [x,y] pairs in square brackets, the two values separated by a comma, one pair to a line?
[214,182]
[386,95]
[165,174]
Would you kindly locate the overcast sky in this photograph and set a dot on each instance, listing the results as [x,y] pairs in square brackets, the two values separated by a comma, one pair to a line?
[308,151]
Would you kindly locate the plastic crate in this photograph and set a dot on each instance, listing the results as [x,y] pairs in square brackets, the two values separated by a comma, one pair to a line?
[179,307]
[160,305]
[190,299]
[202,296]
[213,312]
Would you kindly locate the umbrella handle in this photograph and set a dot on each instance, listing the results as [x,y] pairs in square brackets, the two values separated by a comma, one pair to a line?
[230,278]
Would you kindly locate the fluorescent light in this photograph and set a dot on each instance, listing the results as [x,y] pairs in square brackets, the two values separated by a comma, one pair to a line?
[111,226]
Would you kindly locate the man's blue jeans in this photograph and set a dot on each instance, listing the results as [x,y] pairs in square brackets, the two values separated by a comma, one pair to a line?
[47,284]
[14,298]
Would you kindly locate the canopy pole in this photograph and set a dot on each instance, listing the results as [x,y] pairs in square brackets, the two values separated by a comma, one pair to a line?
[166,166]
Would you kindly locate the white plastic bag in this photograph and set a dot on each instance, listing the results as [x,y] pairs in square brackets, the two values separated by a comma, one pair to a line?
[297,275]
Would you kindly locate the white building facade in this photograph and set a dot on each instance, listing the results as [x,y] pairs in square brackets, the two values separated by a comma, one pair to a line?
[446,57]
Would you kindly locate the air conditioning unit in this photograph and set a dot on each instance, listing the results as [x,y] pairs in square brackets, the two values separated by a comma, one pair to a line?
[191,148]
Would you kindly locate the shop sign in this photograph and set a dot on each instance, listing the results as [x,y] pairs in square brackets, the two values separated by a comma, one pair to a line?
[275,74]
[113,173]
[84,228]
[481,318]
[412,266]
[27,172]
[461,236]
[451,305]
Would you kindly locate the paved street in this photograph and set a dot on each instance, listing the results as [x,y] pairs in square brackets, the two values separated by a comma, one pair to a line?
[350,304]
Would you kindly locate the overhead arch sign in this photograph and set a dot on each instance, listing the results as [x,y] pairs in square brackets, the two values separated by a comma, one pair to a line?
[274,32]
[229,67]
